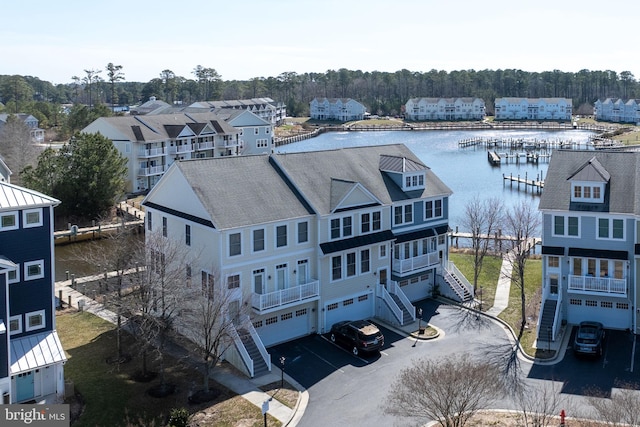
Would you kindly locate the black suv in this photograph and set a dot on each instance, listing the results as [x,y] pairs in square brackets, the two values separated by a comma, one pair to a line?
[589,339]
[358,335]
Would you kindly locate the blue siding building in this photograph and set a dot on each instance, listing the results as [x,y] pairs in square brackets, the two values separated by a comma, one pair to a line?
[31,356]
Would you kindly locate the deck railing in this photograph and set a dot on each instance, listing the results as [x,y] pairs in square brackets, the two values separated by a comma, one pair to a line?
[607,285]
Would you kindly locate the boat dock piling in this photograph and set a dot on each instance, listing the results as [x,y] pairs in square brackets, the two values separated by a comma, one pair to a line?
[535,184]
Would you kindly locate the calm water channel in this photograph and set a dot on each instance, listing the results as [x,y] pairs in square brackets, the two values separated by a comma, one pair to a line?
[465,170]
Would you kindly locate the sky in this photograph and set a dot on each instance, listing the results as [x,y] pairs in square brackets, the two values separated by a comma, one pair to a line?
[243,39]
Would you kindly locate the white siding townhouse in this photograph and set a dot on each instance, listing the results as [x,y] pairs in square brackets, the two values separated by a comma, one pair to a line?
[559,109]
[618,111]
[151,143]
[341,109]
[444,109]
[265,108]
[591,240]
[300,241]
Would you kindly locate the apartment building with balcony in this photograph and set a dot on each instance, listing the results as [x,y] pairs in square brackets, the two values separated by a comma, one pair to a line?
[511,108]
[617,110]
[341,109]
[444,109]
[300,241]
[590,240]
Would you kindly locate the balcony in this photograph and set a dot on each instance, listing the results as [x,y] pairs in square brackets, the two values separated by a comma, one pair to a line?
[602,285]
[205,145]
[179,149]
[152,152]
[274,300]
[153,170]
[411,265]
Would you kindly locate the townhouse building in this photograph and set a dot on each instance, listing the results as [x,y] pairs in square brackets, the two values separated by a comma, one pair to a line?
[590,240]
[267,109]
[444,109]
[35,132]
[303,240]
[31,355]
[340,109]
[617,111]
[151,143]
[559,109]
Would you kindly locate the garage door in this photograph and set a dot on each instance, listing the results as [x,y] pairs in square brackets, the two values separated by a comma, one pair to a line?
[354,307]
[612,314]
[284,326]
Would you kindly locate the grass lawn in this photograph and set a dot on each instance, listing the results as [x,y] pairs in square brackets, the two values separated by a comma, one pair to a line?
[111,398]
[489,279]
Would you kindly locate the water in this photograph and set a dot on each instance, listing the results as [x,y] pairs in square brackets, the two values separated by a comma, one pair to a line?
[465,170]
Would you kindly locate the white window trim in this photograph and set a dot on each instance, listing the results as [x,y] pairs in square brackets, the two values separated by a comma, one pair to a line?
[29,264]
[33,314]
[16,222]
[275,240]
[566,226]
[19,330]
[341,228]
[253,241]
[403,206]
[17,279]
[433,201]
[229,254]
[24,218]
[610,230]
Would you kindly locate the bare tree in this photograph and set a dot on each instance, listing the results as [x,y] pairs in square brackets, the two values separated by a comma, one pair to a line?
[450,390]
[622,408]
[539,405]
[483,218]
[522,223]
[16,146]
[91,78]
[207,321]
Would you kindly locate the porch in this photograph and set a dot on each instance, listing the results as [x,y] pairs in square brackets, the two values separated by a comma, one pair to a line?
[608,285]
[264,303]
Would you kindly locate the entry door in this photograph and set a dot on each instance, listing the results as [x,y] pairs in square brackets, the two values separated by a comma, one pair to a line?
[383,277]
[303,272]
[24,386]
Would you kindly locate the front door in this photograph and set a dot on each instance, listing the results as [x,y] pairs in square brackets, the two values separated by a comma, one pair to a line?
[383,277]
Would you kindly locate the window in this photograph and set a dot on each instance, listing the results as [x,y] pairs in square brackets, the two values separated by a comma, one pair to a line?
[301,312]
[365,264]
[433,209]
[258,281]
[13,276]
[403,214]
[569,226]
[363,298]
[414,181]
[233,281]
[187,234]
[34,270]
[383,251]
[15,325]
[271,320]
[558,225]
[256,131]
[9,221]
[235,245]
[149,221]
[553,262]
[262,143]
[35,320]
[365,223]
[573,226]
[335,228]
[281,236]
[286,316]
[303,232]
[164,226]
[596,193]
[341,227]
[32,218]
[377,224]
[346,226]
[336,268]
[258,240]
[351,264]
[207,283]
[347,302]
[332,306]
[610,228]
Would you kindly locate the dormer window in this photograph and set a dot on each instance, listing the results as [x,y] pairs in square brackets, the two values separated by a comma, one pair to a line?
[414,182]
[589,182]
[587,192]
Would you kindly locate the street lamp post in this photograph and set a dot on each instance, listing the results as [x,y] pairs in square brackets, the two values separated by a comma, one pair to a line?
[419,320]
[282,359]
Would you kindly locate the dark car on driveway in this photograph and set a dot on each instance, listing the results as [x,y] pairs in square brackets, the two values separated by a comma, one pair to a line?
[358,336]
[589,339]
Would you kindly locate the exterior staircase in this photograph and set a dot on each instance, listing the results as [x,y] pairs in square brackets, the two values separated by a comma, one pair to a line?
[260,368]
[547,318]
[406,316]
[456,284]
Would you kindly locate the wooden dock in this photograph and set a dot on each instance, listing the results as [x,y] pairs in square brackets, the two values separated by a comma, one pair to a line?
[536,185]
[498,238]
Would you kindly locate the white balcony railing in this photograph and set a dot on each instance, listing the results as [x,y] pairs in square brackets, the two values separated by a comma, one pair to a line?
[607,285]
[281,297]
[176,149]
[205,145]
[402,266]
[152,152]
[153,170]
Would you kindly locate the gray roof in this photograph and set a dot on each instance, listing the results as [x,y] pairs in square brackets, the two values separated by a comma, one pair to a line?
[15,197]
[623,168]
[314,174]
[240,191]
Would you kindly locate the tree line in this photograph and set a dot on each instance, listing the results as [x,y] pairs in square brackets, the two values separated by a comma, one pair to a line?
[381,92]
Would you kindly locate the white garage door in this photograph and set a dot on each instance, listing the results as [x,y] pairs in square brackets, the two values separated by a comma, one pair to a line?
[284,326]
[612,314]
[354,307]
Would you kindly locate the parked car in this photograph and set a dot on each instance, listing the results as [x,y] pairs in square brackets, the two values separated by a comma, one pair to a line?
[589,339]
[358,335]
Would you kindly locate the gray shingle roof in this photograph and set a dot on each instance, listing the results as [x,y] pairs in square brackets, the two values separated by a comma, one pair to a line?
[624,182]
[239,191]
[313,172]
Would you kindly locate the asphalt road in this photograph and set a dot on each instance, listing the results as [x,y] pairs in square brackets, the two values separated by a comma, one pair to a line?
[348,390]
